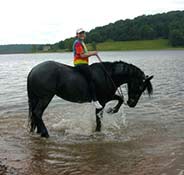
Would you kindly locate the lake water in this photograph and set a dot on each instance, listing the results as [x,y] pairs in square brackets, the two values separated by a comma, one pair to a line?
[148,139]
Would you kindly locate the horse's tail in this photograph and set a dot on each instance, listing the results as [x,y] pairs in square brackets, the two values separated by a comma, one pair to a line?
[32,102]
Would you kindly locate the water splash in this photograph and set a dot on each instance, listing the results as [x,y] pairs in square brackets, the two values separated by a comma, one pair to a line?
[80,120]
[113,122]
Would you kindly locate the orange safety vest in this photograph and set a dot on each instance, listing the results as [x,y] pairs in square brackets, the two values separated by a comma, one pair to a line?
[79,48]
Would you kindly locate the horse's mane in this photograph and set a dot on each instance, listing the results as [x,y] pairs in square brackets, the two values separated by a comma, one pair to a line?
[137,73]
[129,69]
[123,67]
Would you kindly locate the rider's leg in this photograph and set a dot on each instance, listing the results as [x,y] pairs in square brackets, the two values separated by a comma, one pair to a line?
[86,72]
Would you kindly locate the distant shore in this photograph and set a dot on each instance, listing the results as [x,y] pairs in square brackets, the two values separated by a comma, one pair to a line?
[158,44]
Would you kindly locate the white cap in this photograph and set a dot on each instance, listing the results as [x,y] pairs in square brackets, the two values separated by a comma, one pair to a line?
[80,30]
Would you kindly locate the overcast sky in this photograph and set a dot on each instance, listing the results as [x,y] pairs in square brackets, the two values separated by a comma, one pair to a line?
[49,21]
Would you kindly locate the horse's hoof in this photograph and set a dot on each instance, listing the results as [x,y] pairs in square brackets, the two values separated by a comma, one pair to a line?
[32,129]
[98,129]
[111,110]
[46,135]
[38,131]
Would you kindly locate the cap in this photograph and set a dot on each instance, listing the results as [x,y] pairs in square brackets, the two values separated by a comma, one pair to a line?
[80,30]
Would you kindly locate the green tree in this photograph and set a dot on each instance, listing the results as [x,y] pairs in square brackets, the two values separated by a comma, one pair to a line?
[167,25]
[176,33]
[34,48]
[176,37]
[96,37]
[68,43]
[61,45]
[147,32]
[39,47]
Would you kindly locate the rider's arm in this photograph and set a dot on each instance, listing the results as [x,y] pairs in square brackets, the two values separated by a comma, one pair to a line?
[84,55]
[80,51]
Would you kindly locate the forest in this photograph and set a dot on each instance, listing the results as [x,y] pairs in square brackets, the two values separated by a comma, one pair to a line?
[160,26]
[168,26]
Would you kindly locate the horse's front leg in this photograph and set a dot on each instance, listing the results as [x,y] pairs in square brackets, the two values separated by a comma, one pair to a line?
[117,107]
[99,115]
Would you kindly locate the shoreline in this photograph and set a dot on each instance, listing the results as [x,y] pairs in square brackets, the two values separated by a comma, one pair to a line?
[52,52]
[134,45]
[110,46]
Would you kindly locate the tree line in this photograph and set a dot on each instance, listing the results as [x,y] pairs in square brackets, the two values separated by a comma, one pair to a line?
[19,48]
[146,27]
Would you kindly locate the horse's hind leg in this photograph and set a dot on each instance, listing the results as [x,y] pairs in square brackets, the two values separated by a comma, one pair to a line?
[32,106]
[38,112]
[99,115]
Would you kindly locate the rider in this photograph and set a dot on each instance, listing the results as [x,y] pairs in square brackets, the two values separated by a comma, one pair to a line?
[81,56]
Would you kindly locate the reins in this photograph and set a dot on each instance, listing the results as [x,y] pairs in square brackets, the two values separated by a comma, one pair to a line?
[119,90]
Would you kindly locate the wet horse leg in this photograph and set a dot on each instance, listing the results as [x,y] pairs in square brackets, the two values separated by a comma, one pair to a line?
[38,112]
[32,124]
[117,107]
[99,115]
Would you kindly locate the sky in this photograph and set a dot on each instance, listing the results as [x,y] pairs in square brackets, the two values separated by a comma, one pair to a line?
[50,21]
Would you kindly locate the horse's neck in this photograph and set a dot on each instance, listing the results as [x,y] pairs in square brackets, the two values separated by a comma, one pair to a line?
[123,72]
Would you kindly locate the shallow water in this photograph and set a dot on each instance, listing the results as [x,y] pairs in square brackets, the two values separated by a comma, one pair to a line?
[148,139]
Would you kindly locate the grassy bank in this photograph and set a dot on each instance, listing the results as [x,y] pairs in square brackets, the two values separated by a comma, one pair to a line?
[159,44]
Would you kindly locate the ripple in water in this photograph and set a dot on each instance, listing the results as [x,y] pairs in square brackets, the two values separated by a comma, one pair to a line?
[146,139]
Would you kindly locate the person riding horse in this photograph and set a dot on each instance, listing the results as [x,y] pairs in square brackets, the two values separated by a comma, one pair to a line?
[51,78]
[65,82]
[81,61]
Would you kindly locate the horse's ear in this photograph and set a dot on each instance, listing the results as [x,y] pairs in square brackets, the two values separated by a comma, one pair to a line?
[148,78]
[148,84]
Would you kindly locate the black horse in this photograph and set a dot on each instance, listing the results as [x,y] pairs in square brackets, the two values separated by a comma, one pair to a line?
[52,78]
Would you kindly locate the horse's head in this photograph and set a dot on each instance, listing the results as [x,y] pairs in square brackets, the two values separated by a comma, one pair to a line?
[135,78]
[136,86]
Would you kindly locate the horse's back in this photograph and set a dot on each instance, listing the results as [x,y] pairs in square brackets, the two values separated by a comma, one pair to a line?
[65,81]
[72,85]
[47,66]
[43,77]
